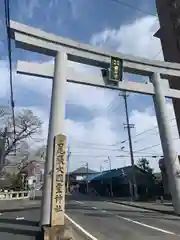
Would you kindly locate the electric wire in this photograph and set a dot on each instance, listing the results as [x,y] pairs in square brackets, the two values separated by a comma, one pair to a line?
[133,7]
[7,20]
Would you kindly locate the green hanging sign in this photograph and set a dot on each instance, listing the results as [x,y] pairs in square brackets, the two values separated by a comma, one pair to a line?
[116,69]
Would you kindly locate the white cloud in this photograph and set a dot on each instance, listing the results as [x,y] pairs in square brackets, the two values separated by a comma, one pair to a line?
[136,39]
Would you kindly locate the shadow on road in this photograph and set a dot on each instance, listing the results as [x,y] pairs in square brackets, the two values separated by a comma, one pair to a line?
[20,209]
[19,222]
[17,231]
[23,229]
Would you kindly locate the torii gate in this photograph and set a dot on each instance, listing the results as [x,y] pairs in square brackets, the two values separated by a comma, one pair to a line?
[63,49]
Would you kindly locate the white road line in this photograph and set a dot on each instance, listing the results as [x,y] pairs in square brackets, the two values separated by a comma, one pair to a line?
[79,202]
[80,228]
[19,218]
[104,211]
[127,219]
[145,225]
[94,207]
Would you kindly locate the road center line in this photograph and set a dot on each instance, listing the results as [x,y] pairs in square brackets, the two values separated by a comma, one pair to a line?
[104,211]
[79,202]
[80,228]
[145,225]
[19,218]
[94,207]
[139,223]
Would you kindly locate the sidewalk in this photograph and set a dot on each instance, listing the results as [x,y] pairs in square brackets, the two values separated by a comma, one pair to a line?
[166,207]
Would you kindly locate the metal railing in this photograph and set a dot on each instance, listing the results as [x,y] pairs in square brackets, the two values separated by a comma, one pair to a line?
[12,195]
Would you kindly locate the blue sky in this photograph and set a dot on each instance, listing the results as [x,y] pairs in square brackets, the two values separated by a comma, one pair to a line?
[95,116]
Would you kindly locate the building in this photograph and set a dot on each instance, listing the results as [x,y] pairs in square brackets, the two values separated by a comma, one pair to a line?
[33,171]
[169,34]
[76,177]
[10,170]
[120,181]
[80,173]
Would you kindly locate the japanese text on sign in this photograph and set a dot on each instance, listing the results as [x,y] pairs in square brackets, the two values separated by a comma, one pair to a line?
[60,152]
[58,183]
[116,69]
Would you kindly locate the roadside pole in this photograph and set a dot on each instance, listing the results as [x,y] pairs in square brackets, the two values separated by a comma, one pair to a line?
[129,126]
[68,159]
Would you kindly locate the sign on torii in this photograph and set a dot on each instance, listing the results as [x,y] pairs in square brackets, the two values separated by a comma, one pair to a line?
[62,49]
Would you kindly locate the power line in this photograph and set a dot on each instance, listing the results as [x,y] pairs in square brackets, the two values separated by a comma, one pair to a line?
[139,150]
[120,156]
[95,145]
[133,7]
[157,54]
[143,132]
[140,10]
[126,151]
[110,106]
[156,133]
[110,150]
[7,20]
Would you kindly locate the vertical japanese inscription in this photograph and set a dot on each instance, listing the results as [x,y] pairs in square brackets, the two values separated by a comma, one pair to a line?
[58,180]
[116,69]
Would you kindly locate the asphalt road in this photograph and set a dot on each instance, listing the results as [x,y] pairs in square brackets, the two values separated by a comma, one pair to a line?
[105,220]
[20,225]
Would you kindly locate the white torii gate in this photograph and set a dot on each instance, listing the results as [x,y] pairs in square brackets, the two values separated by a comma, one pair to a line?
[62,49]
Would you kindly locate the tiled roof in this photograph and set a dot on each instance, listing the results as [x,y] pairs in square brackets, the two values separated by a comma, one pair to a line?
[83,170]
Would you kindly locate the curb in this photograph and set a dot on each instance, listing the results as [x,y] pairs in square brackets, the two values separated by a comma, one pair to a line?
[146,208]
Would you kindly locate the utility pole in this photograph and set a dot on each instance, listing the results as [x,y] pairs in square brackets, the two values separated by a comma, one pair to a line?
[2,148]
[128,126]
[68,158]
[87,173]
[109,160]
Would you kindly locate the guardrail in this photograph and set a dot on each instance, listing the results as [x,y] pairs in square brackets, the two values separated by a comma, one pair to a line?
[12,195]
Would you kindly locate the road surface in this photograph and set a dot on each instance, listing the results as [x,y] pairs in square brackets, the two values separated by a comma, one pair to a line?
[19,225]
[105,220]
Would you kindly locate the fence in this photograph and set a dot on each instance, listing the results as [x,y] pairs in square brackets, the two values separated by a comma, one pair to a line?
[12,195]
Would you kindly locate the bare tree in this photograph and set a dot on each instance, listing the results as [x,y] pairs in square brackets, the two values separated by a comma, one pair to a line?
[143,163]
[41,151]
[27,127]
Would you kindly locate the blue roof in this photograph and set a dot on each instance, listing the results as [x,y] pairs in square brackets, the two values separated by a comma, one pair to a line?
[124,172]
[93,176]
[111,174]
